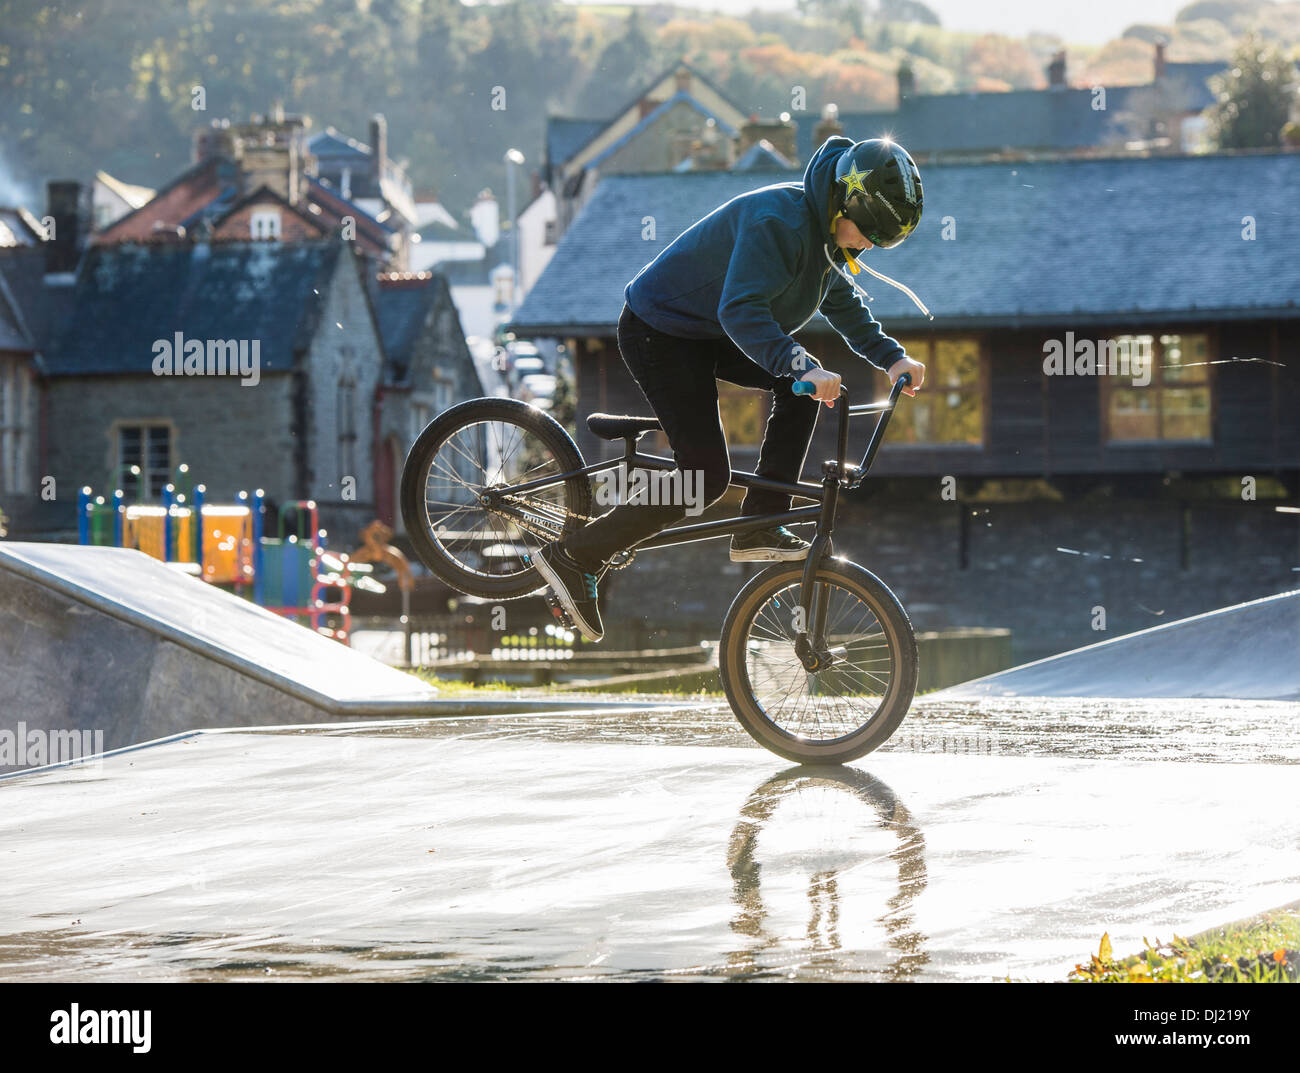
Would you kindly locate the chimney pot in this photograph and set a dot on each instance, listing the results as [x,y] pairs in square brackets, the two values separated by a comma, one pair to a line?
[906,81]
[1056,71]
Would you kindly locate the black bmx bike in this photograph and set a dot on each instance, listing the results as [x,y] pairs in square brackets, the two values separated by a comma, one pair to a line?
[817,658]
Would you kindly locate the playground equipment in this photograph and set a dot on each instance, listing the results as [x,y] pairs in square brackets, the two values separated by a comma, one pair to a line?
[292,574]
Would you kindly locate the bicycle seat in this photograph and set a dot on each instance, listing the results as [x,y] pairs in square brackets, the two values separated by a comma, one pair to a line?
[614,427]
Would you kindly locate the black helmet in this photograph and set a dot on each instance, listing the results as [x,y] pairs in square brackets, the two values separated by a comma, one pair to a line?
[878,187]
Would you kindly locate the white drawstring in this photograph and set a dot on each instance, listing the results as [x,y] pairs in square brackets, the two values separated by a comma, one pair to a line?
[879,275]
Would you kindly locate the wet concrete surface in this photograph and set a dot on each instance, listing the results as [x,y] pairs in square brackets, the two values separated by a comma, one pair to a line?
[991,839]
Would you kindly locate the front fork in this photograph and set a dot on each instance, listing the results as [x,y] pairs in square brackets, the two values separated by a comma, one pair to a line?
[810,641]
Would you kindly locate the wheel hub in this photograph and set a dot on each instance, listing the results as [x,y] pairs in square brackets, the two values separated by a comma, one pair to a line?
[813,659]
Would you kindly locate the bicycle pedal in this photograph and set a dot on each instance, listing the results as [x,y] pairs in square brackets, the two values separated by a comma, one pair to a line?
[557,610]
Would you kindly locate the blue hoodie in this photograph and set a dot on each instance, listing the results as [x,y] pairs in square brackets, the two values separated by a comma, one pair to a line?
[755,270]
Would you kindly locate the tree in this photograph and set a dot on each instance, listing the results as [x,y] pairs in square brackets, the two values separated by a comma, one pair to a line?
[906,11]
[1254,98]
[1223,11]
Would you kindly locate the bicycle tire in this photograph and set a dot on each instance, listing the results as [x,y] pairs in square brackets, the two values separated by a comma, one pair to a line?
[749,708]
[574,502]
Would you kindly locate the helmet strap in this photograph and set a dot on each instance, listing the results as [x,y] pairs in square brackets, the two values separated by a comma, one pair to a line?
[848,257]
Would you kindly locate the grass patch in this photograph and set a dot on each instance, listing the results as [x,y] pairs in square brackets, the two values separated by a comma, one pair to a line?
[1265,949]
[456,685]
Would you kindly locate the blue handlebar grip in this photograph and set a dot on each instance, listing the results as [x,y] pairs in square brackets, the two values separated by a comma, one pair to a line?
[804,387]
[905,379]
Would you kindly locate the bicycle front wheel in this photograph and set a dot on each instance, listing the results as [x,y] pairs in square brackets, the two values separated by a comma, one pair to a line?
[868,649]
[462,513]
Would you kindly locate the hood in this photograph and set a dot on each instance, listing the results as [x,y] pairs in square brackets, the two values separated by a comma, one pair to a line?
[818,187]
[819,180]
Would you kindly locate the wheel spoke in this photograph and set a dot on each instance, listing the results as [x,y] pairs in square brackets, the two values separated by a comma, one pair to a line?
[823,706]
[483,456]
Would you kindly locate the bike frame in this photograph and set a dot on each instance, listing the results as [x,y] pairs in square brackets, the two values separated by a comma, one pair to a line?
[837,474]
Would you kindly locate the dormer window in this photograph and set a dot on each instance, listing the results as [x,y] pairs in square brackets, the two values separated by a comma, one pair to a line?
[265,223]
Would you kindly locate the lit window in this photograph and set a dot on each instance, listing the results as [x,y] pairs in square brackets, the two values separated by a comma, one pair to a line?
[744,414]
[1173,405]
[950,407]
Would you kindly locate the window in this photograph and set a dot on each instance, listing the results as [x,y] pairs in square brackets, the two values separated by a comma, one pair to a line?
[950,408]
[1173,405]
[264,223]
[148,446]
[503,280]
[744,414]
[347,427]
[15,399]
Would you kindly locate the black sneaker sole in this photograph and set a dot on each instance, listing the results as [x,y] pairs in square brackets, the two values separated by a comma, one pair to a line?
[768,555]
[566,601]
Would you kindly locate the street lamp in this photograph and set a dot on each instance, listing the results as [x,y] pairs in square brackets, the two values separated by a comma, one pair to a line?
[513,156]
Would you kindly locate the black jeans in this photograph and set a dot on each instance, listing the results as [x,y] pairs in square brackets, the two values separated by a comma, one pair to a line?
[679,380]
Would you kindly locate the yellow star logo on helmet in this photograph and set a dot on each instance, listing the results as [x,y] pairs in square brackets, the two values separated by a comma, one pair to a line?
[853,180]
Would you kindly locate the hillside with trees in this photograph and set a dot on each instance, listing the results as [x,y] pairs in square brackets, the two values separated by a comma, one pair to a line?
[115,84]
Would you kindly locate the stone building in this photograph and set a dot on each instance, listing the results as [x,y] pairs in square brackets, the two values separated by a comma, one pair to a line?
[256,364]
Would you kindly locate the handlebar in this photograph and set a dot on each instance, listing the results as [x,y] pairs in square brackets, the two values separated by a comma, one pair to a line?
[807,387]
[884,409]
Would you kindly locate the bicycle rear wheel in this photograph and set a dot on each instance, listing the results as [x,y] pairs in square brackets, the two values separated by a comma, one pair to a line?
[465,523]
[836,714]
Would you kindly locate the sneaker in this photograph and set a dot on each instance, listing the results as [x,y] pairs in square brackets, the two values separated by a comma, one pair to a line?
[574,587]
[767,546]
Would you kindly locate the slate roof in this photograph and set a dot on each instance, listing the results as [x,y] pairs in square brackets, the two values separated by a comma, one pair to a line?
[1025,119]
[566,135]
[762,156]
[401,307]
[14,334]
[129,295]
[1065,241]
[979,122]
[43,302]
[330,143]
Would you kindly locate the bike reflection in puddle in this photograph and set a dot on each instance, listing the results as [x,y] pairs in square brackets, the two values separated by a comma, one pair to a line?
[840,826]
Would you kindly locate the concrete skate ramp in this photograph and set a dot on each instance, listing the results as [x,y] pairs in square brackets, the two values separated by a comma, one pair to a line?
[110,639]
[1250,651]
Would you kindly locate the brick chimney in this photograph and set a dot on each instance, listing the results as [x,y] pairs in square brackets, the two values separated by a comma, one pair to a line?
[682,79]
[906,81]
[378,147]
[272,153]
[1056,71]
[1159,72]
[66,204]
[828,126]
